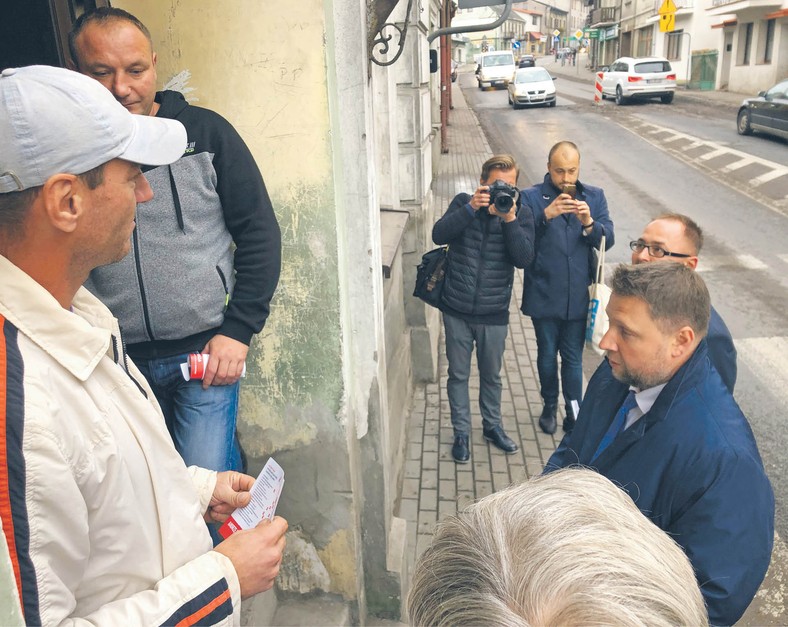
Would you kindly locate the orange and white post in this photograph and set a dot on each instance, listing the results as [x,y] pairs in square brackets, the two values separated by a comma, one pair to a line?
[598,88]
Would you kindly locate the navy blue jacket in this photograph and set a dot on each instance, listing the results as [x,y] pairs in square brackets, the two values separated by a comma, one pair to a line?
[556,284]
[483,252]
[722,352]
[692,466]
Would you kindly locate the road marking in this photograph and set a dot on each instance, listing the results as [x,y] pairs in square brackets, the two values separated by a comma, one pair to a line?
[766,357]
[714,153]
[765,178]
[711,263]
[719,149]
[654,135]
[741,163]
[751,263]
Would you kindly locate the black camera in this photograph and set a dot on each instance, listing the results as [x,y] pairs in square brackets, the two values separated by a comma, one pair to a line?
[503,196]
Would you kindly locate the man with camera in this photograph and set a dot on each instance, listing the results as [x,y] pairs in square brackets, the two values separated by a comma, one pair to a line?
[570,219]
[489,233]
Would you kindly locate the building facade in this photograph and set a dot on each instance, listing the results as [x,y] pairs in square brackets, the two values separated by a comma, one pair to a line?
[346,141]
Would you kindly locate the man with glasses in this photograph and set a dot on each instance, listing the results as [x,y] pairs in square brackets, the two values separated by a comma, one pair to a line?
[676,237]
[658,421]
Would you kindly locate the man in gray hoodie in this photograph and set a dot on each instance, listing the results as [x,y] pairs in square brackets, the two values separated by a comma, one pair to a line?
[184,289]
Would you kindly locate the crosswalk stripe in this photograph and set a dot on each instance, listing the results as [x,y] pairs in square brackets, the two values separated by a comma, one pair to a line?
[714,153]
[710,263]
[768,358]
[718,149]
[750,262]
[765,178]
[736,165]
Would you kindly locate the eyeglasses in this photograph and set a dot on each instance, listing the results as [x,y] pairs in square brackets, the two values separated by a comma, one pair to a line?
[655,251]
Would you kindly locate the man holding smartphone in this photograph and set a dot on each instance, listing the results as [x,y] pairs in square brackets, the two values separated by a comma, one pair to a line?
[570,219]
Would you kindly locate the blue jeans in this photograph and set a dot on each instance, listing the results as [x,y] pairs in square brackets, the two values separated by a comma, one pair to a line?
[490,342]
[201,422]
[567,337]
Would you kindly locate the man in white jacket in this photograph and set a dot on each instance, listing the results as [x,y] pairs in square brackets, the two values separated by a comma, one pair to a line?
[103,521]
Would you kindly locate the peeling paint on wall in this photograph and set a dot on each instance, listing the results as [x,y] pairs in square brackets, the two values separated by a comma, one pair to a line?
[340,560]
[180,82]
[260,65]
[293,389]
[301,570]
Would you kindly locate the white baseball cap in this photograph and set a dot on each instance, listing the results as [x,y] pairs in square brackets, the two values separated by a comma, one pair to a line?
[54,120]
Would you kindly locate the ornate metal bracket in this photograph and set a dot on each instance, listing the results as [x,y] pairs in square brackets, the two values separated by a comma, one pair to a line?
[379,44]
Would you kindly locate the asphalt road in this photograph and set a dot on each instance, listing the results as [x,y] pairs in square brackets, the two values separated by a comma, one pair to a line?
[686,157]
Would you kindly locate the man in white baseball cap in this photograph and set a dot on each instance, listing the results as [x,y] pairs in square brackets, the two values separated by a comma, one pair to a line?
[101,518]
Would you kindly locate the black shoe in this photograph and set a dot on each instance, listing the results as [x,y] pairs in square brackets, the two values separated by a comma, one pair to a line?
[460,451]
[547,419]
[569,421]
[498,437]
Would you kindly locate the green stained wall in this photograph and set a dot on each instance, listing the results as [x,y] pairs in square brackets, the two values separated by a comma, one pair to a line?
[295,366]
[263,67]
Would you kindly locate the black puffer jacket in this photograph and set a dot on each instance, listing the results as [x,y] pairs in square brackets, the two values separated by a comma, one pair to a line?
[483,252]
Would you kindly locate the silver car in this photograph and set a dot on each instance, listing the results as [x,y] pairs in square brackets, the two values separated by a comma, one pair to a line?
[532,86]
[642,77]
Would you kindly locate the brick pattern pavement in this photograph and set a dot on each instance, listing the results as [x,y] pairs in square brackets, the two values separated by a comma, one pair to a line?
[433,485]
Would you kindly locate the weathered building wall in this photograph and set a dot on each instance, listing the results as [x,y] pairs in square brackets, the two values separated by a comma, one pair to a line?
[324,128]
[755,75]
[263,67]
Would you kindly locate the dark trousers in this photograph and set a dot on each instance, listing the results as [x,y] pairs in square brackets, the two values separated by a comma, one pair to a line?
[567,337]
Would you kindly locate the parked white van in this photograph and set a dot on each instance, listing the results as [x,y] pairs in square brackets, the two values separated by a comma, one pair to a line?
[495,68]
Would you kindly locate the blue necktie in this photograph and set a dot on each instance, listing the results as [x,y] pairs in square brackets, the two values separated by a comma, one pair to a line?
[617,425]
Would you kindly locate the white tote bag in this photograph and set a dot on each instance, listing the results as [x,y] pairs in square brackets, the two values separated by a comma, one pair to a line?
[599,295]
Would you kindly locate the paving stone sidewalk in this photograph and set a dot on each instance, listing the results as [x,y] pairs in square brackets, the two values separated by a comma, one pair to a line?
[434,486]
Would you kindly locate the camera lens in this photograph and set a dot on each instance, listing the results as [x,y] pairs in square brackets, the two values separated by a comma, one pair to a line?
[503,203]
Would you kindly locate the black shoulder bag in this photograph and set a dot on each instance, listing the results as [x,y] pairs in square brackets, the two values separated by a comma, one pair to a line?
[431,275]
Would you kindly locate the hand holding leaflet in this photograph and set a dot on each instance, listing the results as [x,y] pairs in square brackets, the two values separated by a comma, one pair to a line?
[264,499]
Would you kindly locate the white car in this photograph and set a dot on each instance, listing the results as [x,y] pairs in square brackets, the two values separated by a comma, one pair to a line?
[495,68]
[532,86]
[642,77]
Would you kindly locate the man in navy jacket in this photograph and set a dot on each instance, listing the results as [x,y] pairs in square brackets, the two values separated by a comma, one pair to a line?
[486,243]
[658,421]
[570,219]
[676,237]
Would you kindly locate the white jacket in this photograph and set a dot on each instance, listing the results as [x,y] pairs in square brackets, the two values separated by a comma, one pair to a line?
[102,518]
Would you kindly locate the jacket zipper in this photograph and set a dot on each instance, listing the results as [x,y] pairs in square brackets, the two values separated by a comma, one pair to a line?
[125,363]
[485,231]
[176,200]
[138,266]
[224,284]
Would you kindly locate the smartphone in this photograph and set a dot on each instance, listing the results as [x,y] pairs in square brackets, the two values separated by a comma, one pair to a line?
[569,188]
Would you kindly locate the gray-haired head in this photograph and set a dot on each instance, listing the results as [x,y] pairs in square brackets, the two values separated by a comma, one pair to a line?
[567,548]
